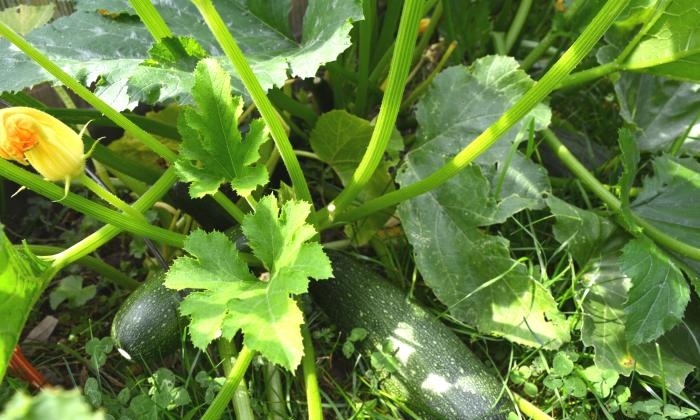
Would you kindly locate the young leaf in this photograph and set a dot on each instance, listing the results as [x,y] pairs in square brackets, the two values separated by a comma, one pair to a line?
[210,135]
[229,298]
[659,293]
[50,403]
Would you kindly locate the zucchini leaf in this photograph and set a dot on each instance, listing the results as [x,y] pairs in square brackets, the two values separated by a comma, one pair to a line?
[583,232]
[22,279]
[670,200]
[210,137]
[658,294]
[604,290]
[91,45]
[659,110]
[470,271]
[229,298]
[50,404]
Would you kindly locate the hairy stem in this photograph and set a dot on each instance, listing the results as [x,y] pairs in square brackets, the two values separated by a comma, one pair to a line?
[151,19]
[137,226]
[566,63]
[241,399]
[398,71]
[218,405]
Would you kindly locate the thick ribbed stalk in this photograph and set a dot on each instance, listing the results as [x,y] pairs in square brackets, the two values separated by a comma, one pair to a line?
[400,64]
[151,19]
[218,405]
[251,83]
[53,192]
[106,233]
[566,63]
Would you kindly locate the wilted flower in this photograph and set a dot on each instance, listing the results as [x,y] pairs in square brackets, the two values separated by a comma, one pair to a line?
[28,135]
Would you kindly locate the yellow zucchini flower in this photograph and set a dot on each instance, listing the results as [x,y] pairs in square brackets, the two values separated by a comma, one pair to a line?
[30,136]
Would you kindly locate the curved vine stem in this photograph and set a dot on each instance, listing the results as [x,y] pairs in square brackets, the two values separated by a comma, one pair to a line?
[566,63]
[137,226]
[612,202]
[391,103]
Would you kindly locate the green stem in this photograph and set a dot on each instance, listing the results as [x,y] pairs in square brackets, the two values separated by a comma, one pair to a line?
[241,399]
[218,405]
[110,198]
[365,47]
[517,25]
[425,84]
[308,362]
[251,83]
[612,202]
[82,116]
[588,75]
[84,93]
[86,206]
[274,392]
[428,33]
[230,207]
[398,71]
[151,19]
[95,264]
[566,63]
[388,29]
[529,409]
[107,233]
[540,49]
[294,107]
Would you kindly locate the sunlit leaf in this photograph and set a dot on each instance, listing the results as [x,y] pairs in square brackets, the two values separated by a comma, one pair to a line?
[470,271]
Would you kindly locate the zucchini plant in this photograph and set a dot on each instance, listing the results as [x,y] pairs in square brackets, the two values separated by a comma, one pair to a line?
[529,183]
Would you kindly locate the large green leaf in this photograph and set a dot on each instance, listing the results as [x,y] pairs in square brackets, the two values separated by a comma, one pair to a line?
[96,41]
[470,271]
[604,290]
[660,110]
[20,286]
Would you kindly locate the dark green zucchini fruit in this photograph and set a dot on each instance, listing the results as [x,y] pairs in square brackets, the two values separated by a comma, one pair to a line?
[433,371]
[147,325]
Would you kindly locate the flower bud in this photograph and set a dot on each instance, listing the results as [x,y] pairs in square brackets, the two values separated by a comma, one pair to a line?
[28,135]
